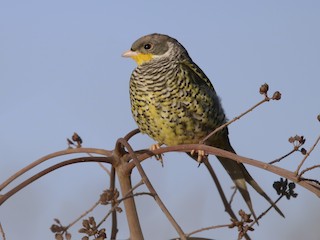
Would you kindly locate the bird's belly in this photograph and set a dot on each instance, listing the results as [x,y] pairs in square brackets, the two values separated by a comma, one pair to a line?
[170,127]
[176,135]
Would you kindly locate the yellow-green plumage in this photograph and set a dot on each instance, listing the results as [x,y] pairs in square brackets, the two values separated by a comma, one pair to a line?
[174,102]
[170,104]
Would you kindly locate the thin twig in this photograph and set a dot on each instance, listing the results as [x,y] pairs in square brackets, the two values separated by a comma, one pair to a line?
[208,228]
[266,99]
[266,211]
[107,215]
[83,215]
[310,180]
[114,205]
[140,183]
[308,169]
[233,194]
[104,168]
[117,204]
[3,235]
[227,206]
[284,156]
[101,165]
[260,216]
[138,194]
[307,155]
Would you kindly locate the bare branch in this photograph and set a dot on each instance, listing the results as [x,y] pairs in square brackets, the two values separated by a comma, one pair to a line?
[114,224]
[151,189]
[222,153]
[266,211]
[233,194]
[124,177]
[227,206]
[131,134]
[25,183]
[3,235]
[209,228]
[264,91]
[51,156]
[113,208]
[283,157]
[307,155]
[83,215]
[310,180]
[104,168]
[308,169]
[115,204]
[266,99]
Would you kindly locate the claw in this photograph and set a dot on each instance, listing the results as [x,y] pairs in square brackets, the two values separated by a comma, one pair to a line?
[201,155]
[154,146]
[158,156]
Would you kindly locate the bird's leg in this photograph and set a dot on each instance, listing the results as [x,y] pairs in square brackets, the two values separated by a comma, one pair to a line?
[201,155]
[157,156]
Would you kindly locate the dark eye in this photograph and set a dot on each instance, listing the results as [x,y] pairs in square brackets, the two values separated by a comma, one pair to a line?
[147,46]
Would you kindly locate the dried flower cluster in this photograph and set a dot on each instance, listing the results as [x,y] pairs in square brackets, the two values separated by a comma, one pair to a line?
[284,188]
[90,229]
[243,225]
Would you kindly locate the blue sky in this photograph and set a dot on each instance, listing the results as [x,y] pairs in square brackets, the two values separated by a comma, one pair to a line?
[61,71]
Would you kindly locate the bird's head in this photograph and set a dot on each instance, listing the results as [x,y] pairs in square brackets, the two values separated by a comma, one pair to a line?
[154,46]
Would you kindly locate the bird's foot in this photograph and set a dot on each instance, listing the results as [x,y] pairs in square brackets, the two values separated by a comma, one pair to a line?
[157,156]
[201,155]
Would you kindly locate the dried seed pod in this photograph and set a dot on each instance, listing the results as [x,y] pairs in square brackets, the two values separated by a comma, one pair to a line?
[276,95]
[303,151]
[264,88]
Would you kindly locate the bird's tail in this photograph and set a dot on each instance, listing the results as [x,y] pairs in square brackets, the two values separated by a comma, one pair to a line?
[240,176]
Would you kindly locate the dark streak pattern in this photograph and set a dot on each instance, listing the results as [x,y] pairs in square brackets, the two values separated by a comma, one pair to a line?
[173,101]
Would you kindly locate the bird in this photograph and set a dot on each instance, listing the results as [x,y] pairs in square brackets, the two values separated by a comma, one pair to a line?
[174,102]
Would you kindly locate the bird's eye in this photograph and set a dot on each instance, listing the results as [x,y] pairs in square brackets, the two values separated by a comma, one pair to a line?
[147,46]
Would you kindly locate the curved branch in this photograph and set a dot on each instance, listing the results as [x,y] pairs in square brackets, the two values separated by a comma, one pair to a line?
[131,134]
[51,156]
[25,183]
[313,187]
